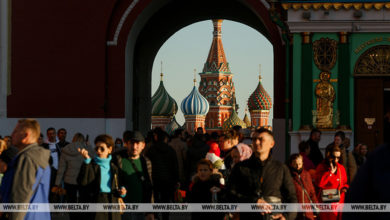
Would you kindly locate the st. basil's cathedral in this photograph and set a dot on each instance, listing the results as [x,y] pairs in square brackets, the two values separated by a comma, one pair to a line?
[212,106]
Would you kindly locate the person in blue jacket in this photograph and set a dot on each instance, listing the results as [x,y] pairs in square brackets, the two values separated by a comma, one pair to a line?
[27,178]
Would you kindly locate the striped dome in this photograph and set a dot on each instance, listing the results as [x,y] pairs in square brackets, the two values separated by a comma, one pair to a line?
[232,121]
[162,103]
[195,104]
[259,100]
[172,126]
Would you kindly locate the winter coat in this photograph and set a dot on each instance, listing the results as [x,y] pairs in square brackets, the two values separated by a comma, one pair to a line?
[27,180]
[253,179]
[70,163]
[304,179]
[90,178]
[200,193]
[147,174]
[165,173]
[326,180]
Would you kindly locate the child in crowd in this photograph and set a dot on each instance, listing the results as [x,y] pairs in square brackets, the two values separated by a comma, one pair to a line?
[100,176]
[205,188]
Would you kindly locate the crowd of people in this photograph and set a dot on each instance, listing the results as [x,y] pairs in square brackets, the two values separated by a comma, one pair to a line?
[230,167]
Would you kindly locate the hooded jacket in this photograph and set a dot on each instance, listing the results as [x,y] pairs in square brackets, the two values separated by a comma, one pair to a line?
[27,180]
[70,163]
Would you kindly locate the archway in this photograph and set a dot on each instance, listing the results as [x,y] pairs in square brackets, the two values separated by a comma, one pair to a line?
[150,24]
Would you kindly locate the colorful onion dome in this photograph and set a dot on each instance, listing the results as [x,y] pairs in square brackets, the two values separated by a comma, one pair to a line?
[162,103]
[172,126]
[259,100]
[247,121]
[232,121]
[195,104]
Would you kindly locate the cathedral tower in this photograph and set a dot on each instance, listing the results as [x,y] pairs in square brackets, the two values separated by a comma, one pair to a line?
[216,83]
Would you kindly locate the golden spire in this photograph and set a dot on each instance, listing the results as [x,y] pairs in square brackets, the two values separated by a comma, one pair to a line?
[260,72]
[194,77]
[161,72]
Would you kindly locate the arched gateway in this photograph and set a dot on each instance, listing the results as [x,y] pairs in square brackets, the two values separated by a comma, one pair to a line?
[137,30]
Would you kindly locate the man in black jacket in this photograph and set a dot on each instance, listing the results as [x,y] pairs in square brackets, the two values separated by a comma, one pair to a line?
[315,154]
[135,171]
[262,180]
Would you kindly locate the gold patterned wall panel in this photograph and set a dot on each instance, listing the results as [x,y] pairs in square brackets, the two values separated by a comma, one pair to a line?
[325,53]
[374,62]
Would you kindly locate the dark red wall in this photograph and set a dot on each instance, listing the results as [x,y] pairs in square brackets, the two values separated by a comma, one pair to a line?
[58,59]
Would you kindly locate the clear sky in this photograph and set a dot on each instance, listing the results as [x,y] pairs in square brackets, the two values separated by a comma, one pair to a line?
[186,50]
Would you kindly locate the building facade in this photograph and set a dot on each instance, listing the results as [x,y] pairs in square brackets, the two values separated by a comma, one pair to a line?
[216,83]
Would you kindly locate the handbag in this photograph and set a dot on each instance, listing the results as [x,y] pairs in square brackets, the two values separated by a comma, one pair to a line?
[331,195]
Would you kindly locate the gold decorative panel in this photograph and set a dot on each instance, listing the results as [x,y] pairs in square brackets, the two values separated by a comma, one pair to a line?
[326,95]
[374,62]
[325,53]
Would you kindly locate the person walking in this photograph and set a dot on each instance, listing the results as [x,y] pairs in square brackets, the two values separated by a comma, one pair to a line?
[136,172]
[69,168]
[331,178]
[205,188]
[27,179]
[100,176]
[315,154]
[262,180]
[303,186]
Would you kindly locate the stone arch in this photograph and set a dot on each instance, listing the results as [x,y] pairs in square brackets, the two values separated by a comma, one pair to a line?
[149,24]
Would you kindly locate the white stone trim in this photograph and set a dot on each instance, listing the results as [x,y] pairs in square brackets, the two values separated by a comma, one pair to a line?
[4,47]
[266,4]
[114,41]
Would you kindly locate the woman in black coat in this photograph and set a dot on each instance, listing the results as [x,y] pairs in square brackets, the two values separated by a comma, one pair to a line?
[100,176]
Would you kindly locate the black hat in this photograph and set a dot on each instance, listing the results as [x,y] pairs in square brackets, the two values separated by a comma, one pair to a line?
[9,154]
[136,136]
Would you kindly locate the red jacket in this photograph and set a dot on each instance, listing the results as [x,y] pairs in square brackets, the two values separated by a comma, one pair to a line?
[301,195]
[326,180]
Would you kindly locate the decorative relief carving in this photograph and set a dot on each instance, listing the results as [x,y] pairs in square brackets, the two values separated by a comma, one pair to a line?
[325,57]
[325,53]
[375,61]
[326,95]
